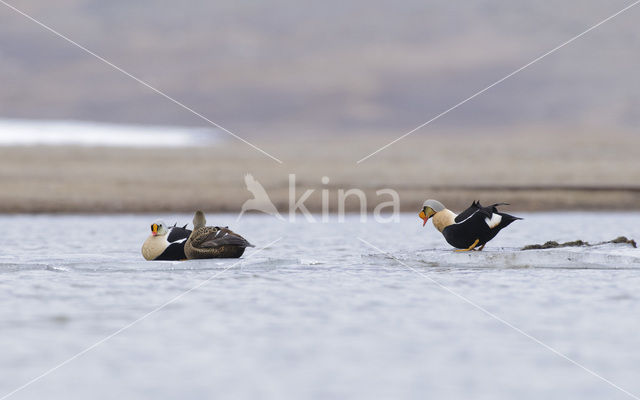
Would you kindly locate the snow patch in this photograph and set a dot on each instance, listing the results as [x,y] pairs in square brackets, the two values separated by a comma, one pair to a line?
[77,133]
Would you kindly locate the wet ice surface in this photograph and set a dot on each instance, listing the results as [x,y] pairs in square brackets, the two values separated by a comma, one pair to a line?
[600,256]
[320,314]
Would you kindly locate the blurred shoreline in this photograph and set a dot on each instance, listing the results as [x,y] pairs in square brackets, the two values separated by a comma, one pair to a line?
[536,170]
[562,200]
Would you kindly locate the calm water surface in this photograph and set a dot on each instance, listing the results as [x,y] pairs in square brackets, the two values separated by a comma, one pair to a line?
[318,315]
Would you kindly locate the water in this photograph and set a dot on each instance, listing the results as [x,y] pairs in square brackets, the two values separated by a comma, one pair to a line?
[78,133]
[318,315]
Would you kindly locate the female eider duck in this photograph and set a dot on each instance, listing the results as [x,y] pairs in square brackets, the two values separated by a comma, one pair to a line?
[165,243]
[213,241]
[474,227]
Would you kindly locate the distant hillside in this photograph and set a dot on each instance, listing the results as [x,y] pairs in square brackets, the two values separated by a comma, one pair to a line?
[325,67]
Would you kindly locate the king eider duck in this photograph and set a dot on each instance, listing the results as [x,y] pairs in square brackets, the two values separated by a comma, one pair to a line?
[474,227]
[165,243]
[213,241]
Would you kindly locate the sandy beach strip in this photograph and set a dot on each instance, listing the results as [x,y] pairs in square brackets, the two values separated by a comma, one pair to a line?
[545,171]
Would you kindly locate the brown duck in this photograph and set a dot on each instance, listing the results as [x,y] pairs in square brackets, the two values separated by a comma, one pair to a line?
[213,241]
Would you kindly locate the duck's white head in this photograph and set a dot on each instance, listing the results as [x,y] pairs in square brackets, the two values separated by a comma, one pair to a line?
[429,208]
[159,228]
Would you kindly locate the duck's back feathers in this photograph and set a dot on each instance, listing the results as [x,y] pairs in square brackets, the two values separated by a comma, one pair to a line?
[477,223]
[222,236]
[475,206]
[178,234]
[215,242]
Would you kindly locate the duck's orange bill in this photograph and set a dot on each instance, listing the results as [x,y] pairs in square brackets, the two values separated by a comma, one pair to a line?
[424,217]
[154,229]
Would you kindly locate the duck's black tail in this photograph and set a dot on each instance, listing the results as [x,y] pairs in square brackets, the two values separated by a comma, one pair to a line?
[507,219]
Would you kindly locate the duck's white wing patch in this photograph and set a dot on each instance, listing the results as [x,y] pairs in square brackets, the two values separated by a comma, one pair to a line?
[494,221]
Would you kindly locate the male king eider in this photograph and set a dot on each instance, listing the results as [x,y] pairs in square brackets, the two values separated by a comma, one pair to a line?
[165,243]
[474,227]
[213,241]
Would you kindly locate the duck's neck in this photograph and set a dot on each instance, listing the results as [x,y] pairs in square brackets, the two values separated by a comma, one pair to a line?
[443,218]
[199,225]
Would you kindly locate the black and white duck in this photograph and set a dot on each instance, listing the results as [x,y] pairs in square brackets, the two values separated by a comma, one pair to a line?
[165,243]
[469,230]
[213,241]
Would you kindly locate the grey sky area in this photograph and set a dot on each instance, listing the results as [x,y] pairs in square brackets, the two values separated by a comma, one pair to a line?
[330,67]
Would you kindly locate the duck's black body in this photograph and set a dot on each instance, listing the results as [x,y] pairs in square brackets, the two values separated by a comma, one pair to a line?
[175,251]
[476,223]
